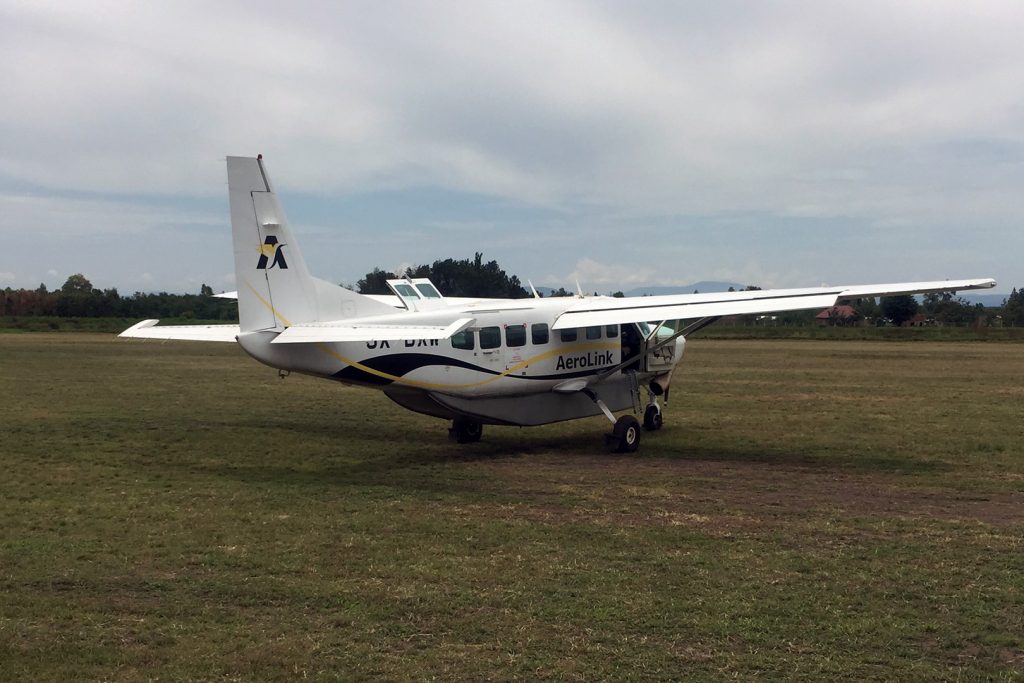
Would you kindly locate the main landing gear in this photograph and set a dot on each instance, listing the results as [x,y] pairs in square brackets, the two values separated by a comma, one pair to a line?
[625,436]
[464,430]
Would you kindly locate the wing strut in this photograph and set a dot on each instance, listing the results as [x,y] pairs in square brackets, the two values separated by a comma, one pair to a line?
[689,329]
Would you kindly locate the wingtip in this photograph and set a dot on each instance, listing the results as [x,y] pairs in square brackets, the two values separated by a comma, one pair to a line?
[138,326]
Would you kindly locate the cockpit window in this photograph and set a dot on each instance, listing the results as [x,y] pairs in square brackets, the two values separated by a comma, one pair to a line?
[463,340]
[428,291]
[406,292]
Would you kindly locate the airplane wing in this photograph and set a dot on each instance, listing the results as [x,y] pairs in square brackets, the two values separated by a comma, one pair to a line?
[608,311]
[147,329]
[348,332]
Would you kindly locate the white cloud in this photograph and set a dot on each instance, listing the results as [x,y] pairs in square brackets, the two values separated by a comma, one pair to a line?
[60,216]
[590,274]
[7,276]
[902,116]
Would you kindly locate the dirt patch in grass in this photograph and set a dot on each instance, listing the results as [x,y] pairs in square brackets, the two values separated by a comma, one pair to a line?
[723,497]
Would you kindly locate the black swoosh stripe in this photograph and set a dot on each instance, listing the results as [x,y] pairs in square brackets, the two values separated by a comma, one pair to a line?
[401,364]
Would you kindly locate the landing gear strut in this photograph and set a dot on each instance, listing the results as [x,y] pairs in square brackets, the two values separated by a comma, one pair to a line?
[625,436]
[464,430]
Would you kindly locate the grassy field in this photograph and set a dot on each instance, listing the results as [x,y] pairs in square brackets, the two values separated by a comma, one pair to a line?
[812,510]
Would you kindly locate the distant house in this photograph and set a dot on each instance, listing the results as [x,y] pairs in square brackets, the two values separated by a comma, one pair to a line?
[837,315]
[920,320]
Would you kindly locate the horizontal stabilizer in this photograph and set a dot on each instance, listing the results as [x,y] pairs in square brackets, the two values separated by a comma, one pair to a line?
[342,332]
[148,329]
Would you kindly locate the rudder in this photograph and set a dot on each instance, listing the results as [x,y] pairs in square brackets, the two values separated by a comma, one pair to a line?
[275,289]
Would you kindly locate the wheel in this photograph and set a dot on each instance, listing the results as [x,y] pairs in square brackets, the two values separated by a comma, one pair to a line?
[625,436]
[652,418]
[465,431]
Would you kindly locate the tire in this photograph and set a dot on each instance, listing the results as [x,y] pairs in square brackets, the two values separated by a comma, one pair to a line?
[652,418]
[626,434]
[465,431]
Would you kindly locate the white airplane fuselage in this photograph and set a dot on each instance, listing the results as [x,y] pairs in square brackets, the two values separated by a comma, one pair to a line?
[510,353]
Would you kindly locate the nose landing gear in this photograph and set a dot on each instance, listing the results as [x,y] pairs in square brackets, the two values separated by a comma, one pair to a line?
[652,417]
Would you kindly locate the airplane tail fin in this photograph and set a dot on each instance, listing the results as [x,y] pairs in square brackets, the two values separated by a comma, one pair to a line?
[275,289]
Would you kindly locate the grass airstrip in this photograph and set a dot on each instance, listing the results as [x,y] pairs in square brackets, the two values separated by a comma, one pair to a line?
[812,510]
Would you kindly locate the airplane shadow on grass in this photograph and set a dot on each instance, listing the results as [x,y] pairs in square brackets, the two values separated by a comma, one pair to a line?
[410,457]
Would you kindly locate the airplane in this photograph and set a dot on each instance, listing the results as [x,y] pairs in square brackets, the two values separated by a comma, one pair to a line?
[474,362]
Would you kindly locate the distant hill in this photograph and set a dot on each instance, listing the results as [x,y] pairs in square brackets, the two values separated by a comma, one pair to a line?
[994,300]
[704,287]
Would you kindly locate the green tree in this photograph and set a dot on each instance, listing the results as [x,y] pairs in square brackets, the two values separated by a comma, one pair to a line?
[462,278]
[899,309]
[78,298]
[867,308]
[1013,308]
[948,309]
[375,282]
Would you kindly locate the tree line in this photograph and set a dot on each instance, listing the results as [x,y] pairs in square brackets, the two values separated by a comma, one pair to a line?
[78,298]
[934,309]
[458,278]
[467,278]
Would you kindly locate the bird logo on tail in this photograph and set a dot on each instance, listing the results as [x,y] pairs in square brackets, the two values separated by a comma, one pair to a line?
[273,253]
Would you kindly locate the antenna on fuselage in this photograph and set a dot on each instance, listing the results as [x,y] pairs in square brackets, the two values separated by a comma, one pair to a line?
[579,290]
[533,289]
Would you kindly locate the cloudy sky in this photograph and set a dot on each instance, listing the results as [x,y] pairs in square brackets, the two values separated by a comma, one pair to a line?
[775,143]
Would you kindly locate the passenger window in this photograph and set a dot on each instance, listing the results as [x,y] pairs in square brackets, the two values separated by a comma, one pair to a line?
[611,331]
[569,335]
[515,335]
[463,340]
[594,332]
[490,337]
[540,333]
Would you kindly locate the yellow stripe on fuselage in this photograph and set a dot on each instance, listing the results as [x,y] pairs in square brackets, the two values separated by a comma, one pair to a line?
[433,385]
